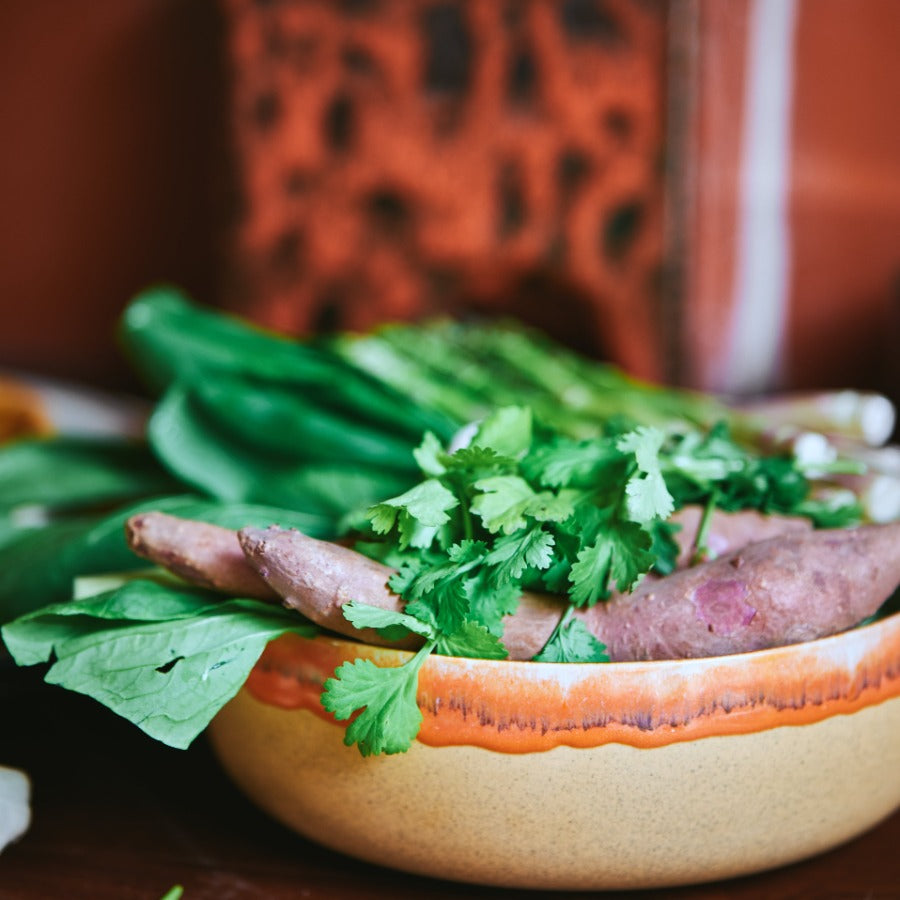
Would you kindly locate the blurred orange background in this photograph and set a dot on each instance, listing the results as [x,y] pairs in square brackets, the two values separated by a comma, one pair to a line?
[130,157]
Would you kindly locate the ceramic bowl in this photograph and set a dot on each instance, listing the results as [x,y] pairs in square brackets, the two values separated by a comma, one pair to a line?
[624,775]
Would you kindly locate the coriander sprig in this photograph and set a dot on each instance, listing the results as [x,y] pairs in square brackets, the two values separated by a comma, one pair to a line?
[524,507]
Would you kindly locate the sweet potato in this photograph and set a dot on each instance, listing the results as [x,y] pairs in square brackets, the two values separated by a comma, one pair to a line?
[318,577]
[202,554]
[210,556]
[783,590]
[796,586]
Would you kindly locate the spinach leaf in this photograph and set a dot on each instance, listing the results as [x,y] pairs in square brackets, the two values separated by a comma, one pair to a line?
[292,424]
[68,472]
[168,339]
[145,651]
[203,454]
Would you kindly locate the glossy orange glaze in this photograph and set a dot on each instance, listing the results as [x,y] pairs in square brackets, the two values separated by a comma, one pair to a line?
[531,707]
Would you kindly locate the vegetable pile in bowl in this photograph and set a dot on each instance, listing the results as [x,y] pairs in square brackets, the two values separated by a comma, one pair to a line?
[457,600]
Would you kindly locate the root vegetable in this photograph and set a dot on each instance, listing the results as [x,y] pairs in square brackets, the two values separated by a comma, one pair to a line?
[211,556]
[795,586]
[202,554]
[787,589]
[318,577]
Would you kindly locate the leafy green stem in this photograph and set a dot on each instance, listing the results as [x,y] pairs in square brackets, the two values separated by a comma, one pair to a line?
[700,551]
[564,620]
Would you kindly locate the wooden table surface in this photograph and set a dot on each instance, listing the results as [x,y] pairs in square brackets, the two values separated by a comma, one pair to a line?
[117,816]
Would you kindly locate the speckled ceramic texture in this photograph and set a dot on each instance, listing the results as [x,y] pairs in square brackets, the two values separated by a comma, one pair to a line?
[589,776]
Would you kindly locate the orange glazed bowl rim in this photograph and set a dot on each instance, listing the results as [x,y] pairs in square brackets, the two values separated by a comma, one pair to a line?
[527,706]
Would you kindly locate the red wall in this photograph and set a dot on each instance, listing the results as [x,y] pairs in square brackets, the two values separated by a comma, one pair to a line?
[114,173]
[110,112]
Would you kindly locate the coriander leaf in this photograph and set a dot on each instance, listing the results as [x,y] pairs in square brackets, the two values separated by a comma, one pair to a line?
[449,599]
[401,582]
[428,455]
[550,507]
[490,602]
[467,554]
[571,642]
[590,574]
[475,458]
[841,509]
[648,498]
[574,463]
[631,555]
[619,556]
[417,577]
[390,718]
[417,513]
[472,640]
[506,500]
[424,612]
[663,547]
[507,431]
[512,554]
[503,502]
[428,502]
[555,578]
[645,443]
[362,615]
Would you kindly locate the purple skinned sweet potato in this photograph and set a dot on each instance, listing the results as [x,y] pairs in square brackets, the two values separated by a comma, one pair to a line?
[211,556]
[783,590]
[203,554]
[318,577]
[797,586]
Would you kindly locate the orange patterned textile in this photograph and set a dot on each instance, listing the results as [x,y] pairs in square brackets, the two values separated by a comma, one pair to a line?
[396,159]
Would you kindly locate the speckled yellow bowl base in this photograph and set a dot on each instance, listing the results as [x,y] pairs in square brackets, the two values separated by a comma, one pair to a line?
[607,817]
[584,777]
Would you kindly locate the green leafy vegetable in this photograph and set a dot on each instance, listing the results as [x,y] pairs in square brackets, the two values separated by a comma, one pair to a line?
[417,514]
[538,470]
[172,340]
[571,642]
[223,465]
[389,716]
[361,615]
[536,510]
[468,369]
[121,648]
[73,472]
[619,555]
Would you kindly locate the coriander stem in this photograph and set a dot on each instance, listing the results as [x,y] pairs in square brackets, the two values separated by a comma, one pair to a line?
[563,621]
[700,549]
[465,515]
